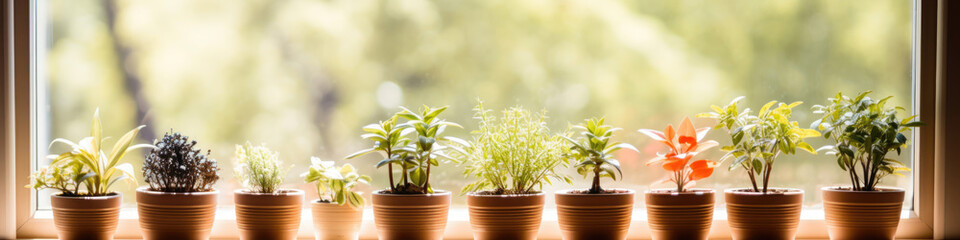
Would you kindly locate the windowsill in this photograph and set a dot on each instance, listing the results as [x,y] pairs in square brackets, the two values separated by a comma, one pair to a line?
[811,225]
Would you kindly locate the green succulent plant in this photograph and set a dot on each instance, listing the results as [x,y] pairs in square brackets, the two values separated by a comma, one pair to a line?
[594,152]
[259,168]
[515,154]
[335,184]
[864,131]
[87,170]
[757,140]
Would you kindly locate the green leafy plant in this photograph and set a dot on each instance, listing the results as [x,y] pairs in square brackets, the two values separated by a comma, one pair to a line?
[176,166]
[684,143]
[594,152]
[336,184]
[757,140]
[415,158]
[258,168]
[864,131]
[87,170]
[515,154]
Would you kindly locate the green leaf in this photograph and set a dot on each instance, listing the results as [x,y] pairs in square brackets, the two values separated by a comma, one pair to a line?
[806,146]
[766,107]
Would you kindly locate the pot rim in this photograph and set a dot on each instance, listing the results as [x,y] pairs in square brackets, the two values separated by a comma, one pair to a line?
[790,191]
[567,192]
[105,197]
[146,190]
[882,190]
[280,192]
[473,194]
[672,191]
[435,193]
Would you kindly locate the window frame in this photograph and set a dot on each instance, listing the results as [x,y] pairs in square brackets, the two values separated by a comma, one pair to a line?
[20,126]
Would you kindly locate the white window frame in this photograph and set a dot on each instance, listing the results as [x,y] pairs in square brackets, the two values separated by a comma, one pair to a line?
[19,119]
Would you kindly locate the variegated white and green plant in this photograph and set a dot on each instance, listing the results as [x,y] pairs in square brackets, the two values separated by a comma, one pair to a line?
[87,170]
[336,184]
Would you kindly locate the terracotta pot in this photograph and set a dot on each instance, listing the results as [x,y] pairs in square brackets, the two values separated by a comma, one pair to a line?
[86,217]
[505,216]
[333,221]
[754,215]
[594,216]
[411,216]
[170,215]
[862,215]
[268,215]
[684,215]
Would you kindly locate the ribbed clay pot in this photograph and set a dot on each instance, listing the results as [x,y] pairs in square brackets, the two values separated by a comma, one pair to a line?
[176,215]
[332,221]
[755,215]
[268,215]
[505,216]
[861,214]
[684,215]
[594,216]
[411,216]
[86,217]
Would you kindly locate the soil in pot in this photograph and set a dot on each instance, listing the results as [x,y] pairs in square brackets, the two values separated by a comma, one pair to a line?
[87,217]
[862,214]
[268,215]
[332,221]
[505,216]
[683,215]
[594,216]
[411,216]
[755,215]
[172,215]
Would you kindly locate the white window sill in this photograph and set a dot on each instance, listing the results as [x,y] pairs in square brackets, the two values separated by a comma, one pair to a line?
[458,225]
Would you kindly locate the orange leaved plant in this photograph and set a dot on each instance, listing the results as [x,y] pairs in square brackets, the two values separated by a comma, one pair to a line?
[685,142]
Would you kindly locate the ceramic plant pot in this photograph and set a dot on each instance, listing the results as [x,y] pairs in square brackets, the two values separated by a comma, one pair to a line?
[684,215]
[594,216]
[268,215]
[410,216]
[332,221]
[170,215]
[505,216]
[862,215]
[754,215]
[86,217]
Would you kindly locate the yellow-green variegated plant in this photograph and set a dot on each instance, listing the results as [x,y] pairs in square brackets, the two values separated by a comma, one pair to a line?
[87,170]
[335,184]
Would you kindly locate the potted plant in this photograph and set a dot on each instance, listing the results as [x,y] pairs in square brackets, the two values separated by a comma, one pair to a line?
[411,208]
[85,208]
[179,201]
[682,212]
[864,131]
[595,213]
[511,158]
[264,210]
[338,211]
[761,212]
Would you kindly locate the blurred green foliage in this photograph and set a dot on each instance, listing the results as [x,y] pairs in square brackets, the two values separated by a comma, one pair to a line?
[303,76]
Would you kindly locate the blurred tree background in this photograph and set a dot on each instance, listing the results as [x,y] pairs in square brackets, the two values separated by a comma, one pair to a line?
[302,76]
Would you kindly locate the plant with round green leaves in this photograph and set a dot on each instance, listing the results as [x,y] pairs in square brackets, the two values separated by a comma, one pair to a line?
[515,154]
[87,170]
[757,140]
[389,139]
[258,168]
[864,131]
[594,152]
[336,184]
